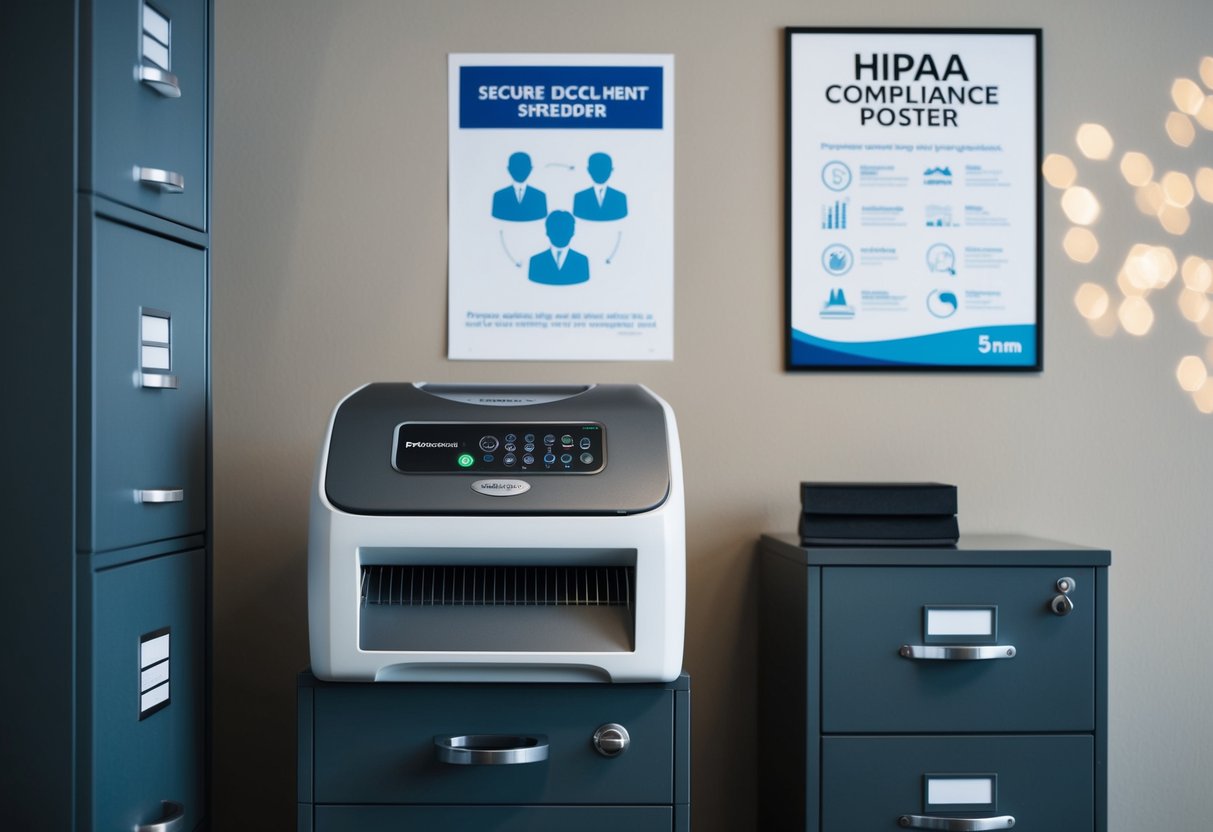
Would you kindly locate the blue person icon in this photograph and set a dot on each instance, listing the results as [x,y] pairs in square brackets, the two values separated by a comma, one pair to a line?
[519,202]
[559,265]
[600,202]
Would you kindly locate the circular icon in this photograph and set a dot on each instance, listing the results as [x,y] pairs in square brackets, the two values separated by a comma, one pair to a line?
[585,443]
[465,460]
[942,303]
[941,259]
[836,176]
[566,458]
[509,459]
[587,458]
[837,259]
[488,443]
[528,460]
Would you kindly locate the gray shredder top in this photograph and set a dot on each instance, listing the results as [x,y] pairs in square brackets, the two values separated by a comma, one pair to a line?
[634,477]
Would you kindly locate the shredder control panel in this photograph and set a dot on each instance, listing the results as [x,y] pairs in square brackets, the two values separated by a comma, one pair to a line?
[499,447]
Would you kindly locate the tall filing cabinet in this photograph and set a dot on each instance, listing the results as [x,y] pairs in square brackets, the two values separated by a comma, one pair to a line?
[105,273]
[958,688]
[511,757]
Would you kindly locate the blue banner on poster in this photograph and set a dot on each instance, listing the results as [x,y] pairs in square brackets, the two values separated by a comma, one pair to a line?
[561,97]
[1008,345]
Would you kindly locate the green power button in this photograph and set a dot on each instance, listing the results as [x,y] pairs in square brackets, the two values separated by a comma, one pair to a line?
[465,460]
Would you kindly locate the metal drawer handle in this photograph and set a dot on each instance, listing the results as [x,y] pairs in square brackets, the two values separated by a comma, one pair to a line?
[162,82]
[955,824]
[160,495]
[173,820]
[160,381]
[958,652]
[491,749]
[170,182]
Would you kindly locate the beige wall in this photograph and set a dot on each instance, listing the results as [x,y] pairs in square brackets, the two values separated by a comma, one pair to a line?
[330,271]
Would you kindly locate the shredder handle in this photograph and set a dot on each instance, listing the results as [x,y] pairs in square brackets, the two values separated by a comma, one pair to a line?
[491,749]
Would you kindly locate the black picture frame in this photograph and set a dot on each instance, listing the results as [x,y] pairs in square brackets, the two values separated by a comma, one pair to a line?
[804,351]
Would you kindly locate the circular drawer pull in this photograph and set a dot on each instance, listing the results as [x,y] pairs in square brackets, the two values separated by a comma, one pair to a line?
[491,749]
[611,740]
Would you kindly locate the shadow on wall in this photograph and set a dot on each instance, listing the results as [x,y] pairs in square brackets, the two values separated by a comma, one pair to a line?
[1170,199]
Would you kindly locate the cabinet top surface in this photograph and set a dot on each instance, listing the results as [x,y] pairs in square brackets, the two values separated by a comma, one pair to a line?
[970,550]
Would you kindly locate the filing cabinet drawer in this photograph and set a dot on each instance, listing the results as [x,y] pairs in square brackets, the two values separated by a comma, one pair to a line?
[1045,783]
[147,124]
[496,818]
[149,376]
[376,743]
[148,692]
[956,649]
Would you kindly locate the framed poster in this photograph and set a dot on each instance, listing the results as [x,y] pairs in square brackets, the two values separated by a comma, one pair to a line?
[561,207]
[913,199]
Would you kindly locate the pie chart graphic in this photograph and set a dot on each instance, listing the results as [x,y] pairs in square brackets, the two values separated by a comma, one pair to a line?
[942,303]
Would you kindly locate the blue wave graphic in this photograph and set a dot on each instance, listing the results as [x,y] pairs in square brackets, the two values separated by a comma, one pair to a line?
[959,348]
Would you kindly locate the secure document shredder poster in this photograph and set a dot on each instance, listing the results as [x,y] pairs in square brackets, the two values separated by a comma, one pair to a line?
[561,207]
[913,199]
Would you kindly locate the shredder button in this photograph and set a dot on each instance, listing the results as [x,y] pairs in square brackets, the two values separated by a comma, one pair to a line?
[585,443]
[528,460]
[549,458]
[488,443]
[587,459]
[509,459]
[566,458]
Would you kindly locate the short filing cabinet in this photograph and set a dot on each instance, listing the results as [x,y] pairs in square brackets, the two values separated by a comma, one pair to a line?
[957,688]
[378,756]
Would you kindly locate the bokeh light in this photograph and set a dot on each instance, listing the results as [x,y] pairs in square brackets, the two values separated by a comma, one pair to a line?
[1206,71]
[1180,129]
[1197,273]
[1080,205]
[1135,315]
[1204,184]
[1193,305]
[1092,301]
[1150,267]
[1136,168]
[1128,288]
[1191,373]
[1080,244]
[1205,325]
[1187,95]
[1204,116]
[1059,171]
[1174,220]
[1177,189]
[1094,141]
[1149,199]
[1204,397]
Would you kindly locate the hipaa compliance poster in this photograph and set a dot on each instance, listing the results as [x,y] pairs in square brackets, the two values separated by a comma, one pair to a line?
[561,207]
[913,223]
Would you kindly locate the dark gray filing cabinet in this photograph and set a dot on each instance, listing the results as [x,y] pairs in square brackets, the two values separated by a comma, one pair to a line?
[105,272]
[370,757]
[956,688]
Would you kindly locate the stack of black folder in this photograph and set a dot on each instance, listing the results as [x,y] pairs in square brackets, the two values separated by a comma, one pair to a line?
[878,514]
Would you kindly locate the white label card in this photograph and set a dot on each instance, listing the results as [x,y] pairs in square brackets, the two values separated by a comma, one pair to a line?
[960,622]
[960,791]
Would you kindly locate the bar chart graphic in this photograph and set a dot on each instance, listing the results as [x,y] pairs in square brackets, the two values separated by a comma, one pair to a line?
[834,217]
